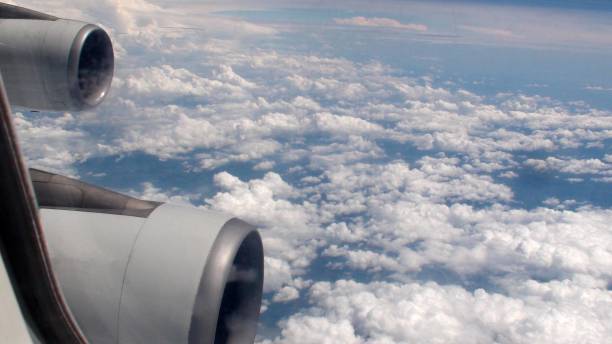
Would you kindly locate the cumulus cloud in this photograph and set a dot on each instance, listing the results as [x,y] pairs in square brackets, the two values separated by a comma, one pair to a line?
[417,223]
[592,166]
[405,226]
[313,330]
[432,178]
[540,243]
[165,83]
[152,193]
[381,312]
[54,143]
[380,22]
[286,294]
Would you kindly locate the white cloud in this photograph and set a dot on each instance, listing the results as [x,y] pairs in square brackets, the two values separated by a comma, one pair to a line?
[401,228]
[598,88]
[379,312]
[500,33]
[435,179]
[277,272]
[286,294]
[344,124]
[542,243]
[53,143]
[166,83]
[264,165]
[380,22]
[365,260]
[572,166]
[317,330]
[150,192]
[509,174]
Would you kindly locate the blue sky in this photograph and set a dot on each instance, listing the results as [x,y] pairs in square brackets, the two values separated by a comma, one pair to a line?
[419,171]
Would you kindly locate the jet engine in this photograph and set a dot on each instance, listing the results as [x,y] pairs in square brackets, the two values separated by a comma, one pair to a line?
[131,271]
[49,63]
[135,271]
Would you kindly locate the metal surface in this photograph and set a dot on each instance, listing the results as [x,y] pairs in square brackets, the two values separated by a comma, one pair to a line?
[90,66]
[90,252]
[23,245]
[164,273]
[15,12]
[13,328]
[181,275]
[229,295]
[55,191]
[55,65]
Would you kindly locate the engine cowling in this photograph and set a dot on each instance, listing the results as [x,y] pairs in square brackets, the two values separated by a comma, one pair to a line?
[55,64]
[134,271]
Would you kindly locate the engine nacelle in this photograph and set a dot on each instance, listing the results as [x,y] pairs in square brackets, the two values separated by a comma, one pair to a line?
[134,271]
[49,63]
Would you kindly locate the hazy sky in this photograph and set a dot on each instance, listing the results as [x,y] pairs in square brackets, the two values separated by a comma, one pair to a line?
[420,171]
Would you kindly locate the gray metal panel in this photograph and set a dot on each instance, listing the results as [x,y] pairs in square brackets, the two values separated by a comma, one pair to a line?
[89,253]
[55,191]
[41,63]
[15,12]
[182,275]
[13,327]
[164,274]
[32,53]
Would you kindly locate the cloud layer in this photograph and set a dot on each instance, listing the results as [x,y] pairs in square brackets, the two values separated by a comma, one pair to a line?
[380,22]
[380,312]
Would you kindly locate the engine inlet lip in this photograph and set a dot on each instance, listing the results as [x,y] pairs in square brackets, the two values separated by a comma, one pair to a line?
[234,236]
[86,99]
